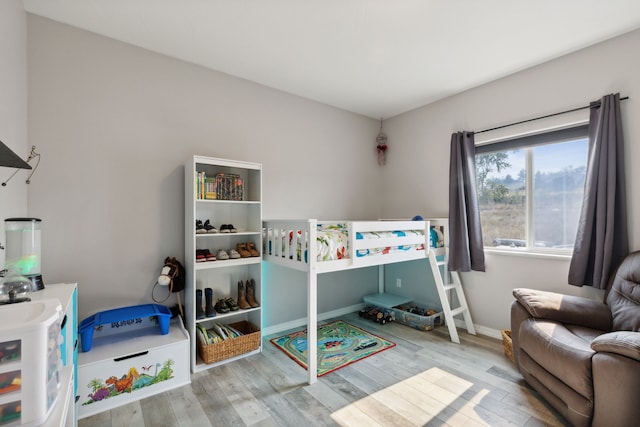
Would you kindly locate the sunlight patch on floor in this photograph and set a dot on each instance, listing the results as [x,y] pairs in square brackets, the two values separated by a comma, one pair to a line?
[415,401]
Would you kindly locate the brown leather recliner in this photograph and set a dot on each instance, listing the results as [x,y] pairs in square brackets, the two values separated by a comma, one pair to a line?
[581,355]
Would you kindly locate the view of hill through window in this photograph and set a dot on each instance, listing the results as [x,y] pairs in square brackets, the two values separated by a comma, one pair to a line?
[557,175]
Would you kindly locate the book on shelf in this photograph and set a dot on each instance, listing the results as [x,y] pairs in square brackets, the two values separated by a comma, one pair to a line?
[205,187]
[222,186]
[210,188]
[199,184]
[229,186]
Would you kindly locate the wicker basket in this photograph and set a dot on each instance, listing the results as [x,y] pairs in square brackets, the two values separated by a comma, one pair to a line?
[507,343]
[250,341]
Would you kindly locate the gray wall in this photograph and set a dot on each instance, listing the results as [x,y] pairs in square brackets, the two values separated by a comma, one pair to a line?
[419,153]
[115,124]
[13,108]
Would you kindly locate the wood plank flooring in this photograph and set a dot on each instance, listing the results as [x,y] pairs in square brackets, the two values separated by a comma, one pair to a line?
[424,381]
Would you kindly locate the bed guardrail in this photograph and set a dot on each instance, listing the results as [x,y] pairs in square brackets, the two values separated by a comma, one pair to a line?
[287,242]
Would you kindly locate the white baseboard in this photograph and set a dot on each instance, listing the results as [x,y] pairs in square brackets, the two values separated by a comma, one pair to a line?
[480,330]
[303,321]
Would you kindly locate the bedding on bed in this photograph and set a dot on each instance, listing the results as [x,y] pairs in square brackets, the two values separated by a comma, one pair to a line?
[332,243]
[387,249]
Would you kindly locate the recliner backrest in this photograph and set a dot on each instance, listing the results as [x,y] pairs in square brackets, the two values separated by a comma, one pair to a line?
[623,295]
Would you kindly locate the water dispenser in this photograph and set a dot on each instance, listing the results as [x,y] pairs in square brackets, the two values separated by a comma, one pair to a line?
[23,249]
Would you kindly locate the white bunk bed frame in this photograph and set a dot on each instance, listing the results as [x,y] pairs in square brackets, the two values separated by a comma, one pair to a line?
[286,255]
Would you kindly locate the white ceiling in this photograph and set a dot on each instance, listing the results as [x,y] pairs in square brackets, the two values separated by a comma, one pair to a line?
[378,58]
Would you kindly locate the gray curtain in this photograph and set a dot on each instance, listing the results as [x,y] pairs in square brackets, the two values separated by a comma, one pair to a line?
[602,239]
[466,251]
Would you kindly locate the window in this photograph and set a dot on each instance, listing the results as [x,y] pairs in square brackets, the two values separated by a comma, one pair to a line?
[530,190]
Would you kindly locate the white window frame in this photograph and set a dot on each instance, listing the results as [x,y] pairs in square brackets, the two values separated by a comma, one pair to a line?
[568,132]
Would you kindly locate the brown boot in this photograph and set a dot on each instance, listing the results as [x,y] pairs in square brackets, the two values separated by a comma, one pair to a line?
[242,296]
[251,294]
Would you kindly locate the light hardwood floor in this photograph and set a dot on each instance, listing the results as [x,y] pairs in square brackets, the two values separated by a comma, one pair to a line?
[424,381]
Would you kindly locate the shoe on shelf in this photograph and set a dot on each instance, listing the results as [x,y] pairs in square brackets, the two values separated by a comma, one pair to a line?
[208,255]
[199,309]
[251,294]
[200,227]
[242,250]
[209,311]
[222,254]
[221,306]
[242,296]
[200,256]
[231,228]
[224,228]
[209,228]
[233,254]
[251,247]
[231,303]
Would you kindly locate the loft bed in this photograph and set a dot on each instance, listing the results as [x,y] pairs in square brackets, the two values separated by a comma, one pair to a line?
[341,245]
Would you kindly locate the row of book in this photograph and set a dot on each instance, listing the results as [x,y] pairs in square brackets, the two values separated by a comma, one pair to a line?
[222,186]
[216,334]
[205,187]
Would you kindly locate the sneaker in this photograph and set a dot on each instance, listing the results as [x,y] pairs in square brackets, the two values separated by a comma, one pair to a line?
[221,306]
[231,303]
[222,254]
[200,227]
[209,228]
[200,256]
[228,228]
[233,254]
[208,255]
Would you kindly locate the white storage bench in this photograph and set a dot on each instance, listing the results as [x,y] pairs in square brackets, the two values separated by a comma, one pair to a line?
[131,363]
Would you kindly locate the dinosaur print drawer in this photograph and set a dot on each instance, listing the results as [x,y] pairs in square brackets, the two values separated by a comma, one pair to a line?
[126,367]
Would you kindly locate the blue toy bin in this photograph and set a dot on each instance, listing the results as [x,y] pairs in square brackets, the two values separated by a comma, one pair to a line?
[135,316]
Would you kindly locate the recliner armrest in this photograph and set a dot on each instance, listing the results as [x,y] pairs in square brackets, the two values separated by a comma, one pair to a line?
[565,308]
[624,343]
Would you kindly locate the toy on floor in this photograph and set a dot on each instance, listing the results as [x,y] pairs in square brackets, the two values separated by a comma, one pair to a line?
[377,314]
[417,310]
[423,319]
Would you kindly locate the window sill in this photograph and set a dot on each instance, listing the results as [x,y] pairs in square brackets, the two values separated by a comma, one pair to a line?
[529,253]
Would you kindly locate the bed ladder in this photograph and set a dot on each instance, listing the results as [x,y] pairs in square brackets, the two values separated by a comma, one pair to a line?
[450,281]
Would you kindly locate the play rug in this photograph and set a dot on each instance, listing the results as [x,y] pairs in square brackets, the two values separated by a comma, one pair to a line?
[339,345]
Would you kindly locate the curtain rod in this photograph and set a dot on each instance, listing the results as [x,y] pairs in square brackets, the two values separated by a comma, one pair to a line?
[542,117]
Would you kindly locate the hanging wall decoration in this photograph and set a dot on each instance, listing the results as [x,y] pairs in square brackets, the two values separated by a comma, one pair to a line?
[381,146]
[25,165]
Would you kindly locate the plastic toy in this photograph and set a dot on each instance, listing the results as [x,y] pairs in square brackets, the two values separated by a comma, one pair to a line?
[378,315]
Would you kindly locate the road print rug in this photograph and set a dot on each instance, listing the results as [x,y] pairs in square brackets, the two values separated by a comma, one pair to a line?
[339,344]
